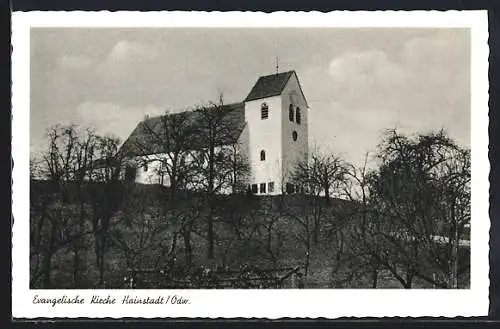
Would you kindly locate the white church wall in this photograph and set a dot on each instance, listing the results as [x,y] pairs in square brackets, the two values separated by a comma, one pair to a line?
[263,134]
[151,168]
[243,149]
[293,151]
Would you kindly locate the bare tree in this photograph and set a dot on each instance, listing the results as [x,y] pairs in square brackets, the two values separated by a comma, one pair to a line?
[84,148]
[272,223]
[141,233]
[300,210]
[167,140]
[323,174]
[219,164]
[417,191]
[106,194]
[364,244]
[62,207]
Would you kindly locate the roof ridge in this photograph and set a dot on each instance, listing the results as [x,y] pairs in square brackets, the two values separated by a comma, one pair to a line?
[284,72]
[234,104]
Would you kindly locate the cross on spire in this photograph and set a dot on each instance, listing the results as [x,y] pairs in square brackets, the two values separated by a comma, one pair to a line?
[277,65]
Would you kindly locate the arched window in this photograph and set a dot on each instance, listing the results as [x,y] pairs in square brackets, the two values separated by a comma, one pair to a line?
[294,135]
[290,113]
[264,111]
[297,116]
[262,155]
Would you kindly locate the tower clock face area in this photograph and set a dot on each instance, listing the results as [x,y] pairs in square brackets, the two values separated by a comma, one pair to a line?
[294,136]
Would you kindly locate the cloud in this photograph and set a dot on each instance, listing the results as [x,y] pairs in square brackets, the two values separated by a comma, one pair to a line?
[125,51]
[108,117]
[435,49]
[74,62]
[131,73]
[427,67]
[103,117]
[421,85]
[367,77]
[346,132]
[369,68]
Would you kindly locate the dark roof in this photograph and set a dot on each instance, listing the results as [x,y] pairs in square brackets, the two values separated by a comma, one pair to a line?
[269,85]
[155,135]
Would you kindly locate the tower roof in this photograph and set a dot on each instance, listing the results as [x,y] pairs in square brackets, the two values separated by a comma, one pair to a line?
[269,85]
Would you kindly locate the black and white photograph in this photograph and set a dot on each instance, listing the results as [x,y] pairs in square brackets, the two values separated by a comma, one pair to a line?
[250,157]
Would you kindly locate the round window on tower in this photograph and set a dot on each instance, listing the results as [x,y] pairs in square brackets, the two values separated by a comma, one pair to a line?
[294,135]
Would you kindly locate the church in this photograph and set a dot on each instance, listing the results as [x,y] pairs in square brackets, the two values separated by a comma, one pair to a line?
[269,127]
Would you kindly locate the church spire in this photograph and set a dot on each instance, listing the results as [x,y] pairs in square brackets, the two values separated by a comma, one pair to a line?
[277,65]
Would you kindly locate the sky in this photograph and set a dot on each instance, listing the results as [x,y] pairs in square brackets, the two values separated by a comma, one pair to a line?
[357,82]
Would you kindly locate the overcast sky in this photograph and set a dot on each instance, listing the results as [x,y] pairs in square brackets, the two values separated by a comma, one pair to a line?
[357,81]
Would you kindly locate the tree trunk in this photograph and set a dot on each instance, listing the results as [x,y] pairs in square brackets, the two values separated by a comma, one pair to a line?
[97,251]
[374,278]
[409,280]
[211,178]
[210,233]
[454,271]
[47,259]
[213,121]
[316,231]
[326,187]
[100,258]
[97,241]
[101,269]
[39,230]
[46,270]
[76,267]
[308,247]
[173,186]
[188,251]
[77,243]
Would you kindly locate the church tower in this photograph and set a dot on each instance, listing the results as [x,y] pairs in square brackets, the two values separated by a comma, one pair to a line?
[277,123]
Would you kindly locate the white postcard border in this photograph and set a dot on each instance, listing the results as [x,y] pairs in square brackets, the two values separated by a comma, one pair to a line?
[328,303]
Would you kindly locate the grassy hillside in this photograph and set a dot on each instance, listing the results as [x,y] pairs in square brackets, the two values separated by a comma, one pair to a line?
[161,238]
